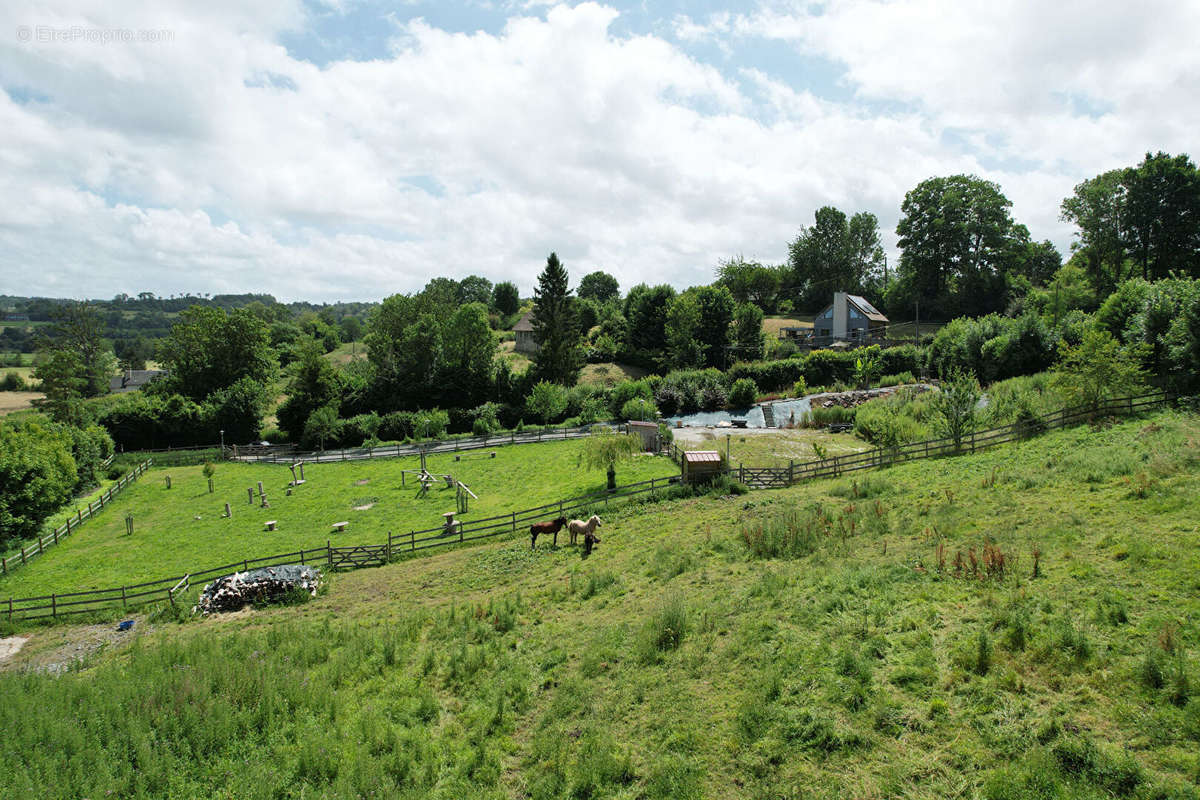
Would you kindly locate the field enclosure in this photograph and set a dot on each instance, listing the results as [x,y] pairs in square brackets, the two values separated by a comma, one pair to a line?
[181,529]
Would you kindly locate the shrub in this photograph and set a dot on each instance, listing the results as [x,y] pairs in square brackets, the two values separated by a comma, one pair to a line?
[639,408]
[13,382]
[789,533]
[743,393]
[665,630]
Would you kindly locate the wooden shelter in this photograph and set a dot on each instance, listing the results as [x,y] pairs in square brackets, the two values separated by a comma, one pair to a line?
[701,465]
[648,431]
[525,343]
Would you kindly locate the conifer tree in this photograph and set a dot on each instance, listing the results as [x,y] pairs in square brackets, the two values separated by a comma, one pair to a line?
[554,327]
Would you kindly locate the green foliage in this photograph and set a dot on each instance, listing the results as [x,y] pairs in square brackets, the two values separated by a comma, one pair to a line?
[835,254]
[78,332]
[506,298]
[37,475]
[599,286]
[748,333]
[1096,370]
[13,382]
[606,449]
[546,401]
[685,349]
[638,408]
[867,367]
[743,393]
[210,349]
[555,327]
[956,404]
[315,384]
[664,630]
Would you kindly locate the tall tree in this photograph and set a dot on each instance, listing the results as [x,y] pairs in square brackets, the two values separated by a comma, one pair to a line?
[955,239]
[599,286]
[468,360]
[835,254]
[475,289]
[78,329]
[1096,208]
[314,385]
[646,317]
[684,348]
[555,328]
[210,349]
[716,313]
[506,298]
[748,333]
[1162,210]
[750,282]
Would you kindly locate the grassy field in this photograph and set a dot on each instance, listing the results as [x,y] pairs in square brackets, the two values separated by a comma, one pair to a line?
[774,448]
[799,643]
[610,373]
[181,528]
[518,361]
[347,352]
[771,325]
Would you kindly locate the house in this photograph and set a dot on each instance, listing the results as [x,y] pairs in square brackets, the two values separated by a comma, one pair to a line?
[524,330]
[851,319]
[133,379]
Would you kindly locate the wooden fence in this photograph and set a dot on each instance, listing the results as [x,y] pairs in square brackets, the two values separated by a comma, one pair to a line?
[171,589]
[287,454]
[403,545]
[72,524]
[777,477]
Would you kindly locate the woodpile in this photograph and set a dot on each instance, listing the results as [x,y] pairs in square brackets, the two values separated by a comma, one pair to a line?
[232,592]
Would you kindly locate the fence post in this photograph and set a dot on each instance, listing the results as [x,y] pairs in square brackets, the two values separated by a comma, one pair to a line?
[23,561]
[171,596]
[514,516]
[122,598]
[389,546]
[53,605]
[412,540]
[4,565]
[10,609]
[329,552]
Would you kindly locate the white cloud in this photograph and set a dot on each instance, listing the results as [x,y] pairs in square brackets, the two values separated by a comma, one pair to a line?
[218,161]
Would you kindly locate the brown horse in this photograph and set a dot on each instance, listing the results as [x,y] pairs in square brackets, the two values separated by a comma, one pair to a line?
[538,528]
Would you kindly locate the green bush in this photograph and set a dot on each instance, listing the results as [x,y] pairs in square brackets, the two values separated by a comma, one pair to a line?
[664,630]
[13,382]
[639,408]
[743,394]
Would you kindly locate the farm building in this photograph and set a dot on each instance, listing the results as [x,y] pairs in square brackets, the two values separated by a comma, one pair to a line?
[648,431]
[850,318]
[133,379]
[524,331]
[701,465]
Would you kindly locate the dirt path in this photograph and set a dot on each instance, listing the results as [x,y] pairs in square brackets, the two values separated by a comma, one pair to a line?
[56,650]
[11,646]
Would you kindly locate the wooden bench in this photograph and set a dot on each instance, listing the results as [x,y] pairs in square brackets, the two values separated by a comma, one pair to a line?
[340,526]
[270,524]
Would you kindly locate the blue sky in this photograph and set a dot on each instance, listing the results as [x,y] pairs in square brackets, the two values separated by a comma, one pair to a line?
[349,150]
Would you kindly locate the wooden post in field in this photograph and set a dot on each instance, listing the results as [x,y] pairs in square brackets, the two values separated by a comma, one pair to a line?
[53,605]
[168,477]
[329,552]
[23,561]
[250,495]
[412,540]
[301,470]
[228,511]
[260,489]
[123,598]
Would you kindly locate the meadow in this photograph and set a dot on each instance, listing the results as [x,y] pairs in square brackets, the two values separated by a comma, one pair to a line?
[1020,623]
[181,528]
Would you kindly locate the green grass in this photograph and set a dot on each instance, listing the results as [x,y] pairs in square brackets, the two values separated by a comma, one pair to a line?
[677,662]
[181,528]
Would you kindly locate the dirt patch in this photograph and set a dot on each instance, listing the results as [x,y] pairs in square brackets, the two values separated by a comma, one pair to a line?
[11,646]
[364,507]
[17,401]
[58,649]
[362,481]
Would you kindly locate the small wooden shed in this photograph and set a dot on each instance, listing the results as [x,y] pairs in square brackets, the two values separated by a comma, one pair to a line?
[701,465]
[648,431]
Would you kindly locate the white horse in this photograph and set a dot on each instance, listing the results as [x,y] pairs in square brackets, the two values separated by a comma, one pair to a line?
[578,526]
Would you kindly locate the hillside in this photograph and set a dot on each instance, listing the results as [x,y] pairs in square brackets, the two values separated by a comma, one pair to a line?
[798,643]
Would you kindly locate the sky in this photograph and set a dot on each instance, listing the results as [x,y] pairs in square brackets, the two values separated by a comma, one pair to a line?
[348,149]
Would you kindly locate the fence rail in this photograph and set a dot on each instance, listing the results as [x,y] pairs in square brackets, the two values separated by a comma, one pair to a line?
[286,454]
[171,589]
[45,541]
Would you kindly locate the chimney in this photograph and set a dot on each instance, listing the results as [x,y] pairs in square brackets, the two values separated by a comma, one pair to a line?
[841,315]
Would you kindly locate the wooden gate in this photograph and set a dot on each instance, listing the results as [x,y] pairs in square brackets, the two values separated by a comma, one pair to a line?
[363,555]
[765,477]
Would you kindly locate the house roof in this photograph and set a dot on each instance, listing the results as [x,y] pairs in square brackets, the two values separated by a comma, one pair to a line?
[701,456]
[634,423]
[866,308]
[525,323]
[133,379]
